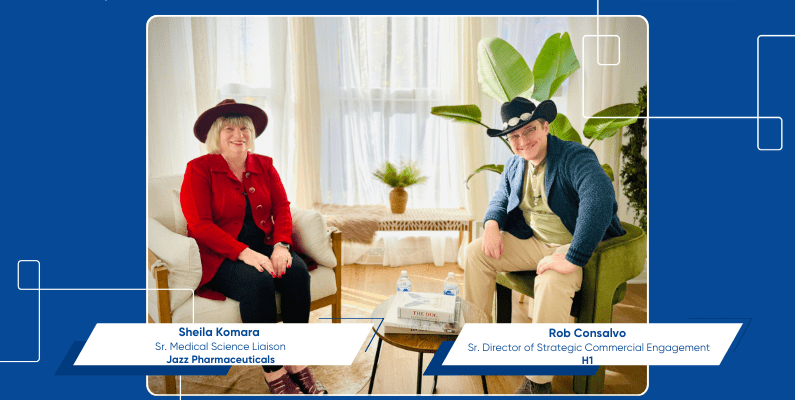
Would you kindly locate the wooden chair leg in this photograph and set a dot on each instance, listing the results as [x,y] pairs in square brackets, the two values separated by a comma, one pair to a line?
[170,383]
[590,384]
[603,313]
[336,313]
[503,304]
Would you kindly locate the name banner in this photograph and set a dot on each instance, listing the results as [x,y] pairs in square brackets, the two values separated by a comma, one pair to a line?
[592,344]
[223,344]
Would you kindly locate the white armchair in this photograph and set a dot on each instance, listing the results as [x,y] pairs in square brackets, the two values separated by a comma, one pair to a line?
[174,267]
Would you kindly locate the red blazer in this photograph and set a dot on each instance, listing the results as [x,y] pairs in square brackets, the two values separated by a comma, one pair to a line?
[214,206]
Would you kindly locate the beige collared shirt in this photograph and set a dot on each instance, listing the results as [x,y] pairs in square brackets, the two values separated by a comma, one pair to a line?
[547,227]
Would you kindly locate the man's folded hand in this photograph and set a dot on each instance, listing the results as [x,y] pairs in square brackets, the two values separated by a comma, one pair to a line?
[557,263]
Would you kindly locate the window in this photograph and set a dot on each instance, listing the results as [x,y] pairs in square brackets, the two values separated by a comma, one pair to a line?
[379,79]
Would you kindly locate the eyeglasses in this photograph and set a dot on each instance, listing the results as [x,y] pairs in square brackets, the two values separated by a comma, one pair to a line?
[525,133]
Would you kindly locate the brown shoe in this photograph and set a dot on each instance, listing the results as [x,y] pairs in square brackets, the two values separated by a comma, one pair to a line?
[283,385]
[307,382]
[530,387]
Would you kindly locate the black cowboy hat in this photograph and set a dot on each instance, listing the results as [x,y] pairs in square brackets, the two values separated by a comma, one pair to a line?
[520,112]
[226,107]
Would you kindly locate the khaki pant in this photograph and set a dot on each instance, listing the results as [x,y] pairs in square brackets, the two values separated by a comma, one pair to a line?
[553,291]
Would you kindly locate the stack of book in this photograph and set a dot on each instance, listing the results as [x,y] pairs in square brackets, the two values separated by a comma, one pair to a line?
[424,313]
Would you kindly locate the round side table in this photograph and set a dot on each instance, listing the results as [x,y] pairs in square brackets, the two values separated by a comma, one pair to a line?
[421,344]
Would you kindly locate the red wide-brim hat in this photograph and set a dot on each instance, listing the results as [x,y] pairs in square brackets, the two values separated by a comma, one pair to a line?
[226,107]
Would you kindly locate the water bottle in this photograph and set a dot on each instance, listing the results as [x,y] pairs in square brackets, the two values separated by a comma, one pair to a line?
[450,285]
[404,283]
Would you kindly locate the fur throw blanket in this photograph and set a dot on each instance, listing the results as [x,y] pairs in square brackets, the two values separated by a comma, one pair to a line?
[358,224]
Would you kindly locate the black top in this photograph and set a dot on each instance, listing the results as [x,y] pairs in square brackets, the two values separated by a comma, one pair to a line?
[250,233]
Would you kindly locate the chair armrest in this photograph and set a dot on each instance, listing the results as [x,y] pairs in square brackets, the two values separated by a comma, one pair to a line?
[614,262]
[336,246]
[160,274]
[624,255]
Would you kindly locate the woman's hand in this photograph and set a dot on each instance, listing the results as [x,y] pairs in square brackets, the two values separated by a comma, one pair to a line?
[281,260]
[257,260]
[492,239]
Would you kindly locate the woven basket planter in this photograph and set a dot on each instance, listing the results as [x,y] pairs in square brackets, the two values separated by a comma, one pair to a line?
[398,199]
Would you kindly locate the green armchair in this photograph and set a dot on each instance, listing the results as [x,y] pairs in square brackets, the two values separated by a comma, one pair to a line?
[604,283]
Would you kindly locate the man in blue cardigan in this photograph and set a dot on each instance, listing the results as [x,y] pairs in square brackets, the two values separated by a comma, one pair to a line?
[554,205]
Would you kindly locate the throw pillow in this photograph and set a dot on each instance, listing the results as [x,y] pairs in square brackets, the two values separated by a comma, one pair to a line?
[311,237]
[180,224]
[181,256]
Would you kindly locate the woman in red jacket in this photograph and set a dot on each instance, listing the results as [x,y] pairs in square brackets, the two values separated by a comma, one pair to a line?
[238,212]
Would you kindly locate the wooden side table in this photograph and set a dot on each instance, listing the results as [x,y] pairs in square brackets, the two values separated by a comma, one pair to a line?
[430,219]
[420,343]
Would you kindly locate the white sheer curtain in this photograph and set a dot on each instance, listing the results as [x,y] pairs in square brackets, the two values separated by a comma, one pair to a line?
[171,97]
[379,78]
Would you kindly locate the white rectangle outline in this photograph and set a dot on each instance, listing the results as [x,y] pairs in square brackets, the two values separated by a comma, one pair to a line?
[757,97]
[597,16]
[38,358]
[781,137]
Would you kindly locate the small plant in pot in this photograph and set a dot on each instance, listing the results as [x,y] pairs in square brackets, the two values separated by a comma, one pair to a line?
[399,177]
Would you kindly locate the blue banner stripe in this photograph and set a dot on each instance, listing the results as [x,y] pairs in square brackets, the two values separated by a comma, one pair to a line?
[435,367]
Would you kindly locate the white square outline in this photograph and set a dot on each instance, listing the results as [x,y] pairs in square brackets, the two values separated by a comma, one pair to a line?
[597,48]
[781,120]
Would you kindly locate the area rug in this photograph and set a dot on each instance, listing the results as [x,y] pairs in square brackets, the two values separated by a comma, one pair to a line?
[358,224]
[249,379]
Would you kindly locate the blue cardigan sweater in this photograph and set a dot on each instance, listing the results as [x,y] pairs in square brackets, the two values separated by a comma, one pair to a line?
[578,191]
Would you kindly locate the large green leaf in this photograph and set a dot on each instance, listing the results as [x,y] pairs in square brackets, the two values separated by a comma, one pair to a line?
[554,64]
[608,170]
[561,127]
[469,113]
[502,72]
[606,123]
[489,167]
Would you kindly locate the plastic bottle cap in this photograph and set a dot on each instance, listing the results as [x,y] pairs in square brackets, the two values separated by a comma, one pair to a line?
[450,274]
[404,273]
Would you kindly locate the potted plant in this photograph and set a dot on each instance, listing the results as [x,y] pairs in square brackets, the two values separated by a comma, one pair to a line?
[503,75]
[633,174]
[399,177]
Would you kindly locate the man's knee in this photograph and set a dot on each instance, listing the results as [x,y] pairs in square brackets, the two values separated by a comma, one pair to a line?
[556,281]
[474,247]
[475,254]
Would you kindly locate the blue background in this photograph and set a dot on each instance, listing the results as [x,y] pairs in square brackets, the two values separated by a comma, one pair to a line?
[720,211]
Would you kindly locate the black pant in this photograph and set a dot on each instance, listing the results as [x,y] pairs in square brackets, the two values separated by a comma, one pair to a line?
[256,290]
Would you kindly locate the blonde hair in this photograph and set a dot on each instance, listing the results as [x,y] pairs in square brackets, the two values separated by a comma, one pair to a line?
[214,135]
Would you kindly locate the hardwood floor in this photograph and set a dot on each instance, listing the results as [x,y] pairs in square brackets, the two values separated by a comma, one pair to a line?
[365,286]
